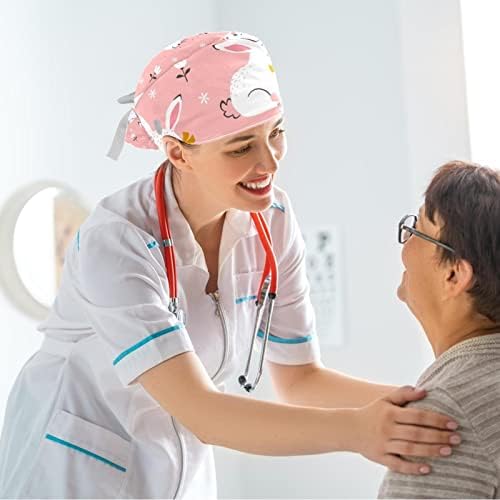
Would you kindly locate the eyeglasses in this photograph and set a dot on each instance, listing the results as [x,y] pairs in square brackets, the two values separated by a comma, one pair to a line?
[407,228]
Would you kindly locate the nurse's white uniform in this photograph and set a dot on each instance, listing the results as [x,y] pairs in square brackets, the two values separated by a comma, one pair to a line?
[78,425]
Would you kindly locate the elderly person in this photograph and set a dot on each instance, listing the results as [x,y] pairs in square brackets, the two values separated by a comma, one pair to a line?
[451,283]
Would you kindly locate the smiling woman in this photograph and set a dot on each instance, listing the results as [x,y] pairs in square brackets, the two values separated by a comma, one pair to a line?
[246,165]
[127,395]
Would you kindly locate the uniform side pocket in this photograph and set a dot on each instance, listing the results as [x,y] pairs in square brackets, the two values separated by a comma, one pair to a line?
[78,459]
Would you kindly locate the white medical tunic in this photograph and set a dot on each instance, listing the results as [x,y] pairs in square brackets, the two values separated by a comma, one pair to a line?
[77,424]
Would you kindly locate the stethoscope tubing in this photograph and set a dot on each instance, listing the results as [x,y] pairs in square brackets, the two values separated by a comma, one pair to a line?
[268,286]
[270,266]
[167,242]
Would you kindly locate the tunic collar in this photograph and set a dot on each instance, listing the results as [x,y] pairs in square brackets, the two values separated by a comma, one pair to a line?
[237,225]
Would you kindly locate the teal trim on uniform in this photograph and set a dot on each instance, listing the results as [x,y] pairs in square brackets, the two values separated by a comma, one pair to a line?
[153,336]
[55,439]
[279,340]
[165,243]
[78,240]
[245,299]
[279,206]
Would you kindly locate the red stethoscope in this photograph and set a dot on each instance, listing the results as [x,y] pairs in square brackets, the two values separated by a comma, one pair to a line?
[268,286]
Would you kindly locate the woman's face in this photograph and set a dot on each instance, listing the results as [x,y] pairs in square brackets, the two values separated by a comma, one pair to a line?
[422,278]
[238,171]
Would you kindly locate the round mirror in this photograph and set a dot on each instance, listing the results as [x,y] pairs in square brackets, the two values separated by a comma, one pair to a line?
[37,225]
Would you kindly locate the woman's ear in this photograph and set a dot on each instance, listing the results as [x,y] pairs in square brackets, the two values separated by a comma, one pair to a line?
[460,277]
[176,154]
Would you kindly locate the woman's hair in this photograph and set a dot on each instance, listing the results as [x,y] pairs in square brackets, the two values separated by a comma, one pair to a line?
[466,198]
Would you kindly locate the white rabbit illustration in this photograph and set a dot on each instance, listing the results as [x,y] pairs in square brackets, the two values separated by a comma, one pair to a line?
[254,87]
[172,116]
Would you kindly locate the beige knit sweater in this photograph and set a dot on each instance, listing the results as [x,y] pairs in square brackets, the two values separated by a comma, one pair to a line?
[463,383]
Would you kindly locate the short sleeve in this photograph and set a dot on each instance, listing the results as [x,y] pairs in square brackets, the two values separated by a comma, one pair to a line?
[293,339]
[467,473]
[125,293]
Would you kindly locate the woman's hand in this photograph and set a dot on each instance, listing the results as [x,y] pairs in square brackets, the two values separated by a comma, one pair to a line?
[385,431]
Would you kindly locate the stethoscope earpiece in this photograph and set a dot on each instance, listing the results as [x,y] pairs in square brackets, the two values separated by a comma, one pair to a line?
[243,382]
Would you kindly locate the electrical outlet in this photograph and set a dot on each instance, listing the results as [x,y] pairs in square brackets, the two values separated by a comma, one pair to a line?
[324,274]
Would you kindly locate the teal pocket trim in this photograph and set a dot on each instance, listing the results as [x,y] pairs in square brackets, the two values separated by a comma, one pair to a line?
[152,244]
[245,299]
[55,439]
[146,340]
[280,340]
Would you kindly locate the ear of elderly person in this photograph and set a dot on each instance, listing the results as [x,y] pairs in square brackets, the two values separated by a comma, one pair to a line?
[451,284]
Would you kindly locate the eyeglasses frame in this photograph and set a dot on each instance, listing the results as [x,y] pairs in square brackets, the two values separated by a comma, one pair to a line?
[402,226]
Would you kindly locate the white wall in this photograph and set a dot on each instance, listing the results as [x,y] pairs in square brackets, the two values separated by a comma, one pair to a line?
[374,98]
[481,42]
[434,82]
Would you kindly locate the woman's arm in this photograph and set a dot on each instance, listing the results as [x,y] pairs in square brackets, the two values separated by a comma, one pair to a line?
[320,387]
[472,472]
[184,389]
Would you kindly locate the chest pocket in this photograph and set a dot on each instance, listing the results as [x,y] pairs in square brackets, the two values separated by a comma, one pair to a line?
[78,459]
[246,289]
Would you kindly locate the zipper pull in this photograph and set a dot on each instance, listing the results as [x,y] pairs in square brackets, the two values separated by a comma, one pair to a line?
[215,298]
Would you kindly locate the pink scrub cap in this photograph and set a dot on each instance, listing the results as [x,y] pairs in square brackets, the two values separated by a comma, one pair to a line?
[198,89]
